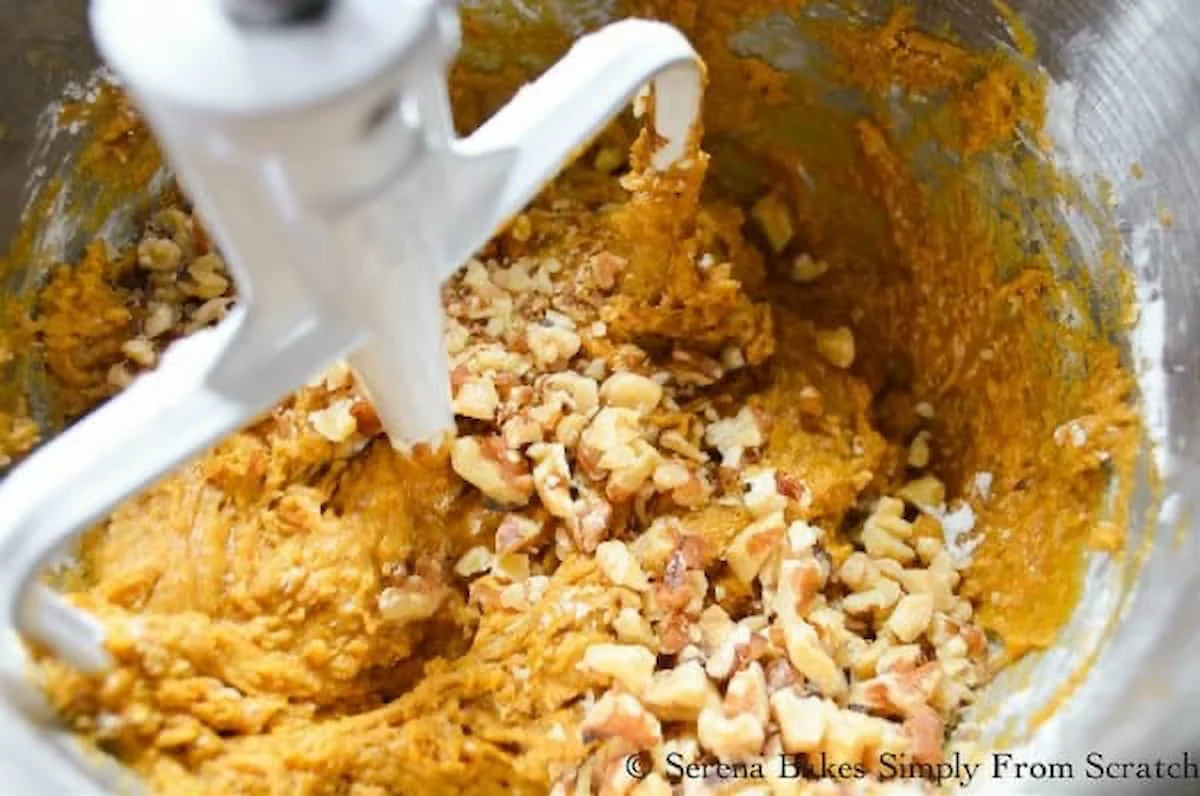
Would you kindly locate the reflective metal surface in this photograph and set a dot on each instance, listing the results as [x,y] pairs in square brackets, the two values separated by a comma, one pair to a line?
[1135,69]
[42,46]
[1127,77]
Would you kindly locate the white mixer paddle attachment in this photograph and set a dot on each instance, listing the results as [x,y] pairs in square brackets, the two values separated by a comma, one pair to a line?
[315,138]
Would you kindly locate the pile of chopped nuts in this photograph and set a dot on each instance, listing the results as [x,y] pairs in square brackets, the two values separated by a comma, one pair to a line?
[842,664]
[765,648]
[183,286]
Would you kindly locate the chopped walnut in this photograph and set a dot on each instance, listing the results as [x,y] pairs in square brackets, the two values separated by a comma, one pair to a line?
[835,635]
[715,628]
[159,254]
[338,376]
[925,730]
[209,312]
[694,493]
[161,318]
[680,694]
[918,450]
[781,674]
[335,423]
[517,532]
[477,398]
[551,345]
[606,268]
[898,693]
[802,538]
[751,548]
[806,269]
[924,492]
[119,376]
[682,590]
[837,346]
[801,719]
[178,225]
[582,392]
[674,634]
[618,715]
[497,359]
[630,467]
[513,567]
[474,562]
[552,478]
[874,601]
[935,581]
[852,737]
[671,475]
[810,658]
[774,218]
[610,428]
[521,430]
[590,523]
[747,693]
[911,617]
[633,628]
[631,391]
[675,442]
[799,583]
[858,572]
[499,473]
[738,737]
[761,494]
[741,645]
[457,337]
[550,412]
[733,436]
[411,604]
[570,429]
[140,351]
[885,532]
[630,665]
[620,567]
[206,277]
[902,658]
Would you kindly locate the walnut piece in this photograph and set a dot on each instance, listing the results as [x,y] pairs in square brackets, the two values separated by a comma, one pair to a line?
[680,694]
[631,391]
[631,665]
[501,474]
[730,737]
[733,436]
[618,715]
[620,567]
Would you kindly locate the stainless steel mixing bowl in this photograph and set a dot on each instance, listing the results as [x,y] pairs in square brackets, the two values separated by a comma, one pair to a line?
[1127,90]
